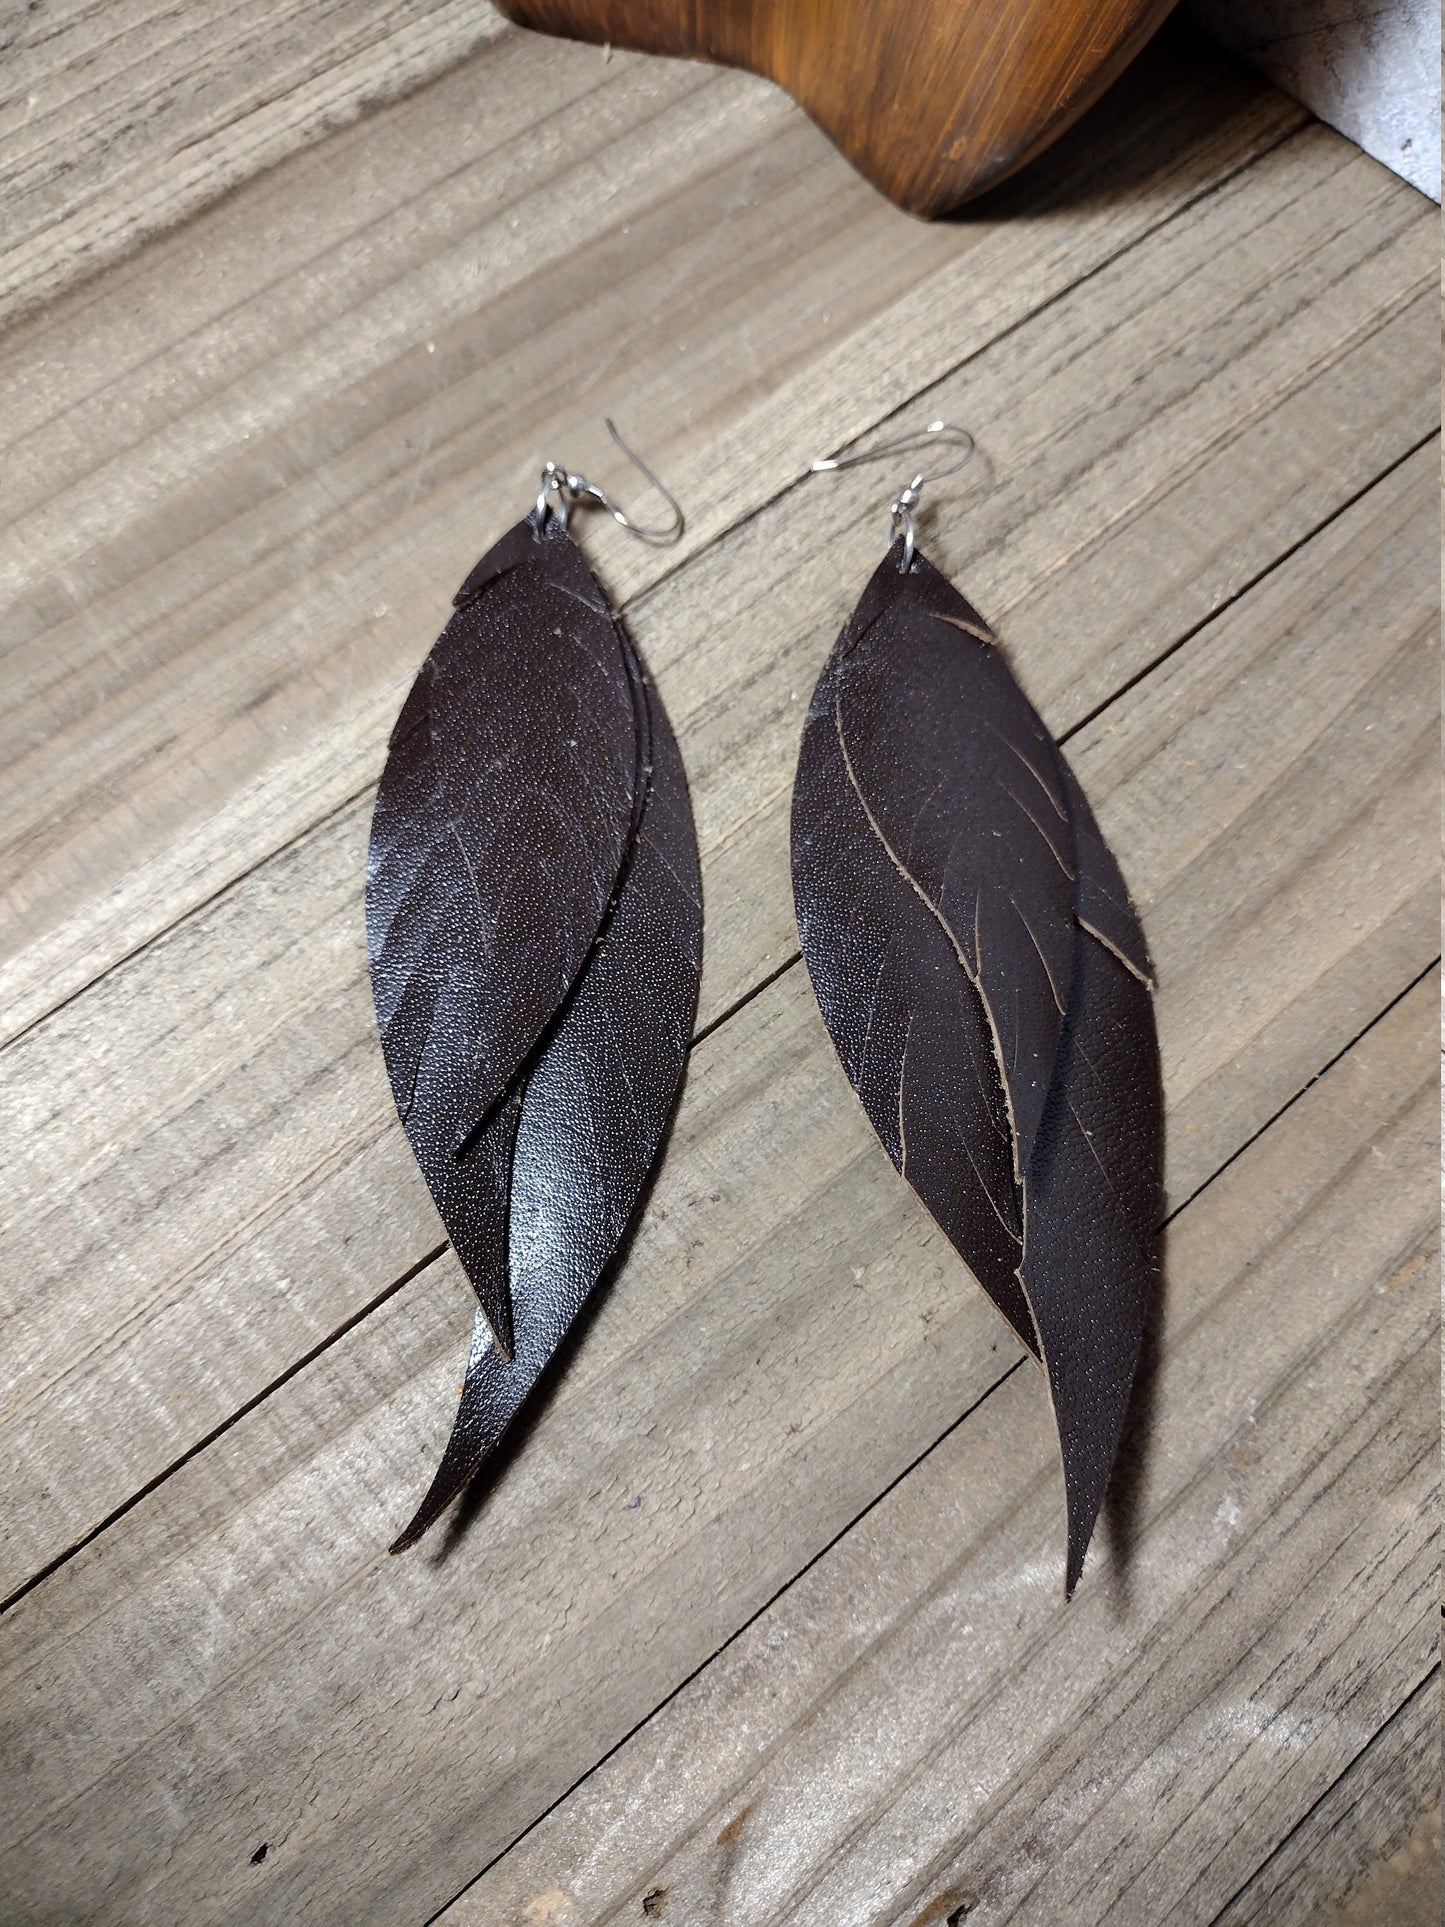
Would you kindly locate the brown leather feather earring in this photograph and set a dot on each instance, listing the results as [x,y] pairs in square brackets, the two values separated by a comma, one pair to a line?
[534,923]
[985,981]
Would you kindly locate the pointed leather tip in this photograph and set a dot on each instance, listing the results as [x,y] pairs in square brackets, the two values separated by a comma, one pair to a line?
[445,1487]
[425,1517]
[453,1476]
[420,1520]
[1074,1559]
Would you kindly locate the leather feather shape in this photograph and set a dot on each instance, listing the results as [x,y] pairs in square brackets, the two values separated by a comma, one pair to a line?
[985,982]
[534,922]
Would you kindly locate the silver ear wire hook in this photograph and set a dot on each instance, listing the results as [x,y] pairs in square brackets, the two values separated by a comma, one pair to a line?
[901,508]
[570,489]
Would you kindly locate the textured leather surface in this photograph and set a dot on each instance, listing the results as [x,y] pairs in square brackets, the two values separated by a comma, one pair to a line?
[1095,1190]
[904,1018]
[530,797]
[500,821]
[962,781]
[593,1115]
[985,981]
[498,833]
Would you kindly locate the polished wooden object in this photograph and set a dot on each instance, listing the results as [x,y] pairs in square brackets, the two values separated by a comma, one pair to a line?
[933,100]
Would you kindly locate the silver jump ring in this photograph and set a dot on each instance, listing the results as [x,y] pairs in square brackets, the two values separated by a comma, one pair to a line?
[570,489]
[900,509]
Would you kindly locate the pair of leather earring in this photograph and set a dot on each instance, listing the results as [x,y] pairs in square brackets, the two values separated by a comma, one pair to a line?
[534,922]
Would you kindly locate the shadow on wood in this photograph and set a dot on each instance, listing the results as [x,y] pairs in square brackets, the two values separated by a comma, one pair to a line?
[931,101]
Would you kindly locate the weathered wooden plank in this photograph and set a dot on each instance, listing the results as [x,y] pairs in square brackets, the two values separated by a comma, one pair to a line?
[1370,1849]
[787,1337]
[119,120]
[204,1220]
[299,402]
[250,465]
[1095,537]
[738,1299]
[919,1728]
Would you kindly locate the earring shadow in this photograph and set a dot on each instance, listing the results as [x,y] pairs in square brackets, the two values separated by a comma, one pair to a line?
[1153,122]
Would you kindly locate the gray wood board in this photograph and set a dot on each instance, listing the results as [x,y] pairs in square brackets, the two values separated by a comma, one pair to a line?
[119,118]
[1369,1849]
[206,1220]
[787,1337]
[247,469]
[921,1726]
[245,466]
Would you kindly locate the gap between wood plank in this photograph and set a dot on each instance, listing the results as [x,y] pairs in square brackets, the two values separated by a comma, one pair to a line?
[766,1606]
[147,196]
[744,520]
[942,1414]
[901,1912]
[1245,588]
[919,1459]
[1059,295]
[217,1431]
[1381,1728]
[1421,1686]
[431,1257]
[1302,1066]
[414,1270]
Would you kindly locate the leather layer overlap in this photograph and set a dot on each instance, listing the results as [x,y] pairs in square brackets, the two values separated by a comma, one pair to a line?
[985,981]
[534,924]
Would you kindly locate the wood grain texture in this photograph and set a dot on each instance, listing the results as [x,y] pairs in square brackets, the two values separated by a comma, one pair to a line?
[119,121]
[1194,342]
[240,486]
[1369,1849]
[788,1335]
[933,103]
[1120,505]
[919,1725]
[229,1214]
[288,694]
[273,1649]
